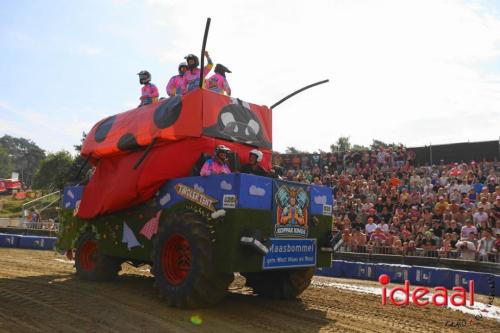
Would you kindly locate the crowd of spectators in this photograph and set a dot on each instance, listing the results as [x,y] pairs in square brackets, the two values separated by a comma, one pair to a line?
[386,204]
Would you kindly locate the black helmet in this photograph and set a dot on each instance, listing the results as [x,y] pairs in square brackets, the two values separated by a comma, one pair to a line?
[221,69]
[182,64]
[144,77]
[222,149]
[192,57]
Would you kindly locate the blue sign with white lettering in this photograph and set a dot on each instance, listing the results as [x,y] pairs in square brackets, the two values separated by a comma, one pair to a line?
[285,253]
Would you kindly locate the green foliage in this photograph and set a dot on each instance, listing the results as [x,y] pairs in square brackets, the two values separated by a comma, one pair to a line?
[25,156]
[54,171]
[293,150]
[6,165]
[357,147]
[343,143]
[78,148]
[380,144]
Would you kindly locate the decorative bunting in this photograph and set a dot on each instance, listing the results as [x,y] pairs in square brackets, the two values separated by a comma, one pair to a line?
[129,237]
[151,227]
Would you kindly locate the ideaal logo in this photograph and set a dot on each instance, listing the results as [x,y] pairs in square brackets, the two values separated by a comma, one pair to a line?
[418,296]
[291,212]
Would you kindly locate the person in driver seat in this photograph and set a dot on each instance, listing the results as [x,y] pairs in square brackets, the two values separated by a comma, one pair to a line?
[253,167]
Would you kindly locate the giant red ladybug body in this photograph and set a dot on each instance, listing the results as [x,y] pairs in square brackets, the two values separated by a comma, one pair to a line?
[181,128]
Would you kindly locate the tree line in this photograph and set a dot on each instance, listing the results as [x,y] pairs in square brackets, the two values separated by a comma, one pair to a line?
[343,144]
[38,169]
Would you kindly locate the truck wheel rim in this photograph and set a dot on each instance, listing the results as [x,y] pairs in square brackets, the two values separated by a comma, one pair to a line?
[176,259]
[88,255]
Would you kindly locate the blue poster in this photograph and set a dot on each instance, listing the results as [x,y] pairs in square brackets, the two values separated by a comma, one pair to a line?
[290,208]
[285,253]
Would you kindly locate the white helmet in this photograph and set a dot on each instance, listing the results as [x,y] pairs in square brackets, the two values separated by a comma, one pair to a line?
[257,153]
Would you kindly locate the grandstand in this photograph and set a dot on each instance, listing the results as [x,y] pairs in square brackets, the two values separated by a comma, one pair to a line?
[393,206]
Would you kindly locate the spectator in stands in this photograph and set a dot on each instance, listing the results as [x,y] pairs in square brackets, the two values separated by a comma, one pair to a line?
[480,215]
[411,249]
[467,248]
[358,240]
[35,215]
[346,241]
[397,247]
[370,227]
[446,247]
[378,238]
[486,247]
[467,229]
[441,206]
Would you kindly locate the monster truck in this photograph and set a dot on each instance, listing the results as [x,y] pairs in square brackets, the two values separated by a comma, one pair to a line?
[145,204]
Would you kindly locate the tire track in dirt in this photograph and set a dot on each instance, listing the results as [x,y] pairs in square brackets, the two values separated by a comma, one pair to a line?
[39,293]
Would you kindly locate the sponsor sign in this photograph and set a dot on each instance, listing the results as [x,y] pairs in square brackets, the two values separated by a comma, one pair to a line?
[193,195]
[293,252]
[291,207]
[229,201]
[327,210]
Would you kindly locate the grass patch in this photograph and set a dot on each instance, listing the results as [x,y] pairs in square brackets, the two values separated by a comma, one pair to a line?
[10,207]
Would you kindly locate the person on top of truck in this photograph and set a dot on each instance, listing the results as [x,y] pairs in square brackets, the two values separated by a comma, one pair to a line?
[218,81]
[253,167]
[174,86]
[218,164]
[149,92]
[191,77]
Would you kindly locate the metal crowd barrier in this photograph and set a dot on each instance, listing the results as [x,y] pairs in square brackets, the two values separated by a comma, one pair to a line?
[50,226]
[420,252]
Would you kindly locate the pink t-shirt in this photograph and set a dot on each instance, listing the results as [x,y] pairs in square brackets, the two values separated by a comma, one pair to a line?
[212,167]
[174,86]
[149,90]
[218,83]
[191,79]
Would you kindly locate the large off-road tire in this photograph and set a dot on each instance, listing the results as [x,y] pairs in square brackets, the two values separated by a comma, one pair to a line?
[280,284]
[183,263]
[91,264]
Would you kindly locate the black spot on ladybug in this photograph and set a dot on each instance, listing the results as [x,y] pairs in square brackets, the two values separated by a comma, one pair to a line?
[103,129]
[128,142]
[167,113]
[238,123]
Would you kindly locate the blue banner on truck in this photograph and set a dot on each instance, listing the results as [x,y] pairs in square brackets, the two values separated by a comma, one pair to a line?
[285,253]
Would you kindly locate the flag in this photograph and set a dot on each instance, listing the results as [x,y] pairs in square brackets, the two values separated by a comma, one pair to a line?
[151,227]
[129,237]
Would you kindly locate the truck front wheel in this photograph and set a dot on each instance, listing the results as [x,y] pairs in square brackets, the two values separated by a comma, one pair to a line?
[183,263]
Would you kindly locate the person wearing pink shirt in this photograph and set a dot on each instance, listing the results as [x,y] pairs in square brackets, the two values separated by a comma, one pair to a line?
[149,92]
[218,164]
[218,81]
[175,84]
[191,78]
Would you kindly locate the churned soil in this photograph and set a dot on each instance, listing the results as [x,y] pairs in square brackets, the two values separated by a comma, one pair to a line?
[39,293]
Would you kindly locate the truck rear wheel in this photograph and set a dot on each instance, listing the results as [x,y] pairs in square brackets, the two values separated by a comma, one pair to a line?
[280,284]
[183,263]
[91,264]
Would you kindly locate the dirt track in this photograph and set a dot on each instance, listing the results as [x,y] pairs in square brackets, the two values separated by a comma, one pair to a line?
[38,292]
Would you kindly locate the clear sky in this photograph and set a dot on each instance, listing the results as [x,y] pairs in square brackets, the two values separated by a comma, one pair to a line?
[415,72]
